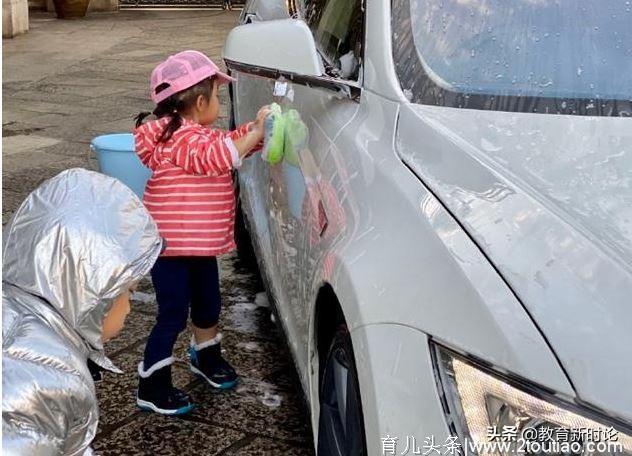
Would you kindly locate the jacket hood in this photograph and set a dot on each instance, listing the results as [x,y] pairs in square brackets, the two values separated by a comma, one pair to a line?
[77,242]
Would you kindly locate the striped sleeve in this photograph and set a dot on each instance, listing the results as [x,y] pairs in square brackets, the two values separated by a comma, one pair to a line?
[145,142]
[201,154]
[242,131]
[142,150]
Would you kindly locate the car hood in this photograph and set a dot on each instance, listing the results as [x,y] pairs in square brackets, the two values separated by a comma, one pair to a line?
[548,199]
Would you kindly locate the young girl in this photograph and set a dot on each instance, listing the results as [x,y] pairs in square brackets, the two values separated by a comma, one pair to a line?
[191,197]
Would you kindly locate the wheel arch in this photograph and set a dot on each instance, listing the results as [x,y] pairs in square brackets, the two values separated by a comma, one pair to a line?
[328,316]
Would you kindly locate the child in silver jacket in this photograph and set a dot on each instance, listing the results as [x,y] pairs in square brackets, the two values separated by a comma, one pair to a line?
[71,253]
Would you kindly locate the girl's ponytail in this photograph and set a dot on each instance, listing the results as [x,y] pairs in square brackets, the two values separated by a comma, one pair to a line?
[166,108]
[172,126]
[169,107]
[140,117]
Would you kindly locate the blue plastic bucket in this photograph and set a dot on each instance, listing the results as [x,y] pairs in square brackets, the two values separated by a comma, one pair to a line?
[117,158]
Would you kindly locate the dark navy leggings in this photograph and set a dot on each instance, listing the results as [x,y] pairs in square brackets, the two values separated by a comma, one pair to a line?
[182,283]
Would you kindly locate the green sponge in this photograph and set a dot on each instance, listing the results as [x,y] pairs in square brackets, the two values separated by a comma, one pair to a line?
[274,138]
[296,136]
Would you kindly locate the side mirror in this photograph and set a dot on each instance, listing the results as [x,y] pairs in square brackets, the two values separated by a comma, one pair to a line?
[284,46]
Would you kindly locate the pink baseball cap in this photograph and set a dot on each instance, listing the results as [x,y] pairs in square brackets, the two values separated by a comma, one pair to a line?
[181,71]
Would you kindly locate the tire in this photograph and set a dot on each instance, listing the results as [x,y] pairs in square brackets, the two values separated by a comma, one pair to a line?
[340,426]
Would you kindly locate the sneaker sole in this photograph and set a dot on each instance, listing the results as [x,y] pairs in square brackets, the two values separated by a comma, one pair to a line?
[222,386]
[144,405]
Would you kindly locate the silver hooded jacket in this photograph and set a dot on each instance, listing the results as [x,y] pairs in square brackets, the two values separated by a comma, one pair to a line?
[74,244]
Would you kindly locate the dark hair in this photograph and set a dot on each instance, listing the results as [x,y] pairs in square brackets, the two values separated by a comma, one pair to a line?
[176,104]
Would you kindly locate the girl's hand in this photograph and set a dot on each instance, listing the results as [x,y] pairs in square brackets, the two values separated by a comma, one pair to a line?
[259,123]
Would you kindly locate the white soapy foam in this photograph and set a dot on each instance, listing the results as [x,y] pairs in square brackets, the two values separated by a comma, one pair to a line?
[271,400]
[242,318]
[251,346]
[143,297]
[261,300]
[257,390]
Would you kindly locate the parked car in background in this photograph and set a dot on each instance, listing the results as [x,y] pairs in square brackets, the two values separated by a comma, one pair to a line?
[448,240]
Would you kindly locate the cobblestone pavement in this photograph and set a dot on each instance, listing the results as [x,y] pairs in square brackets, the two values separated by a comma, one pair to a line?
[68,81]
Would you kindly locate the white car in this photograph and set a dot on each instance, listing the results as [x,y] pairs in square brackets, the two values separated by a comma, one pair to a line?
[448,239]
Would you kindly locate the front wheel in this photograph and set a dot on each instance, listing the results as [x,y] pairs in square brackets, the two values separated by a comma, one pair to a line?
[341,424]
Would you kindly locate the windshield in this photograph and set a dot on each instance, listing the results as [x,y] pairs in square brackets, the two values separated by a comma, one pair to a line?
[569,49]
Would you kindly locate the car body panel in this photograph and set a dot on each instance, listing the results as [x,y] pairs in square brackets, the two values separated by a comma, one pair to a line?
[371,198]
[364,210]
[404,410]
[549,199]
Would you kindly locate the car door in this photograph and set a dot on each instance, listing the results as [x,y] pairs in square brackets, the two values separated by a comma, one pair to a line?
[294,205]
[304,203]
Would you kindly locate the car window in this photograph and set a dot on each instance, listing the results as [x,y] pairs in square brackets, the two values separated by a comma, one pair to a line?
[546,56]
[337,26]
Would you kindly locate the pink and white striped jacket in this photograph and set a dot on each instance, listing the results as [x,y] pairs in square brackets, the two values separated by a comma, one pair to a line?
[190,194]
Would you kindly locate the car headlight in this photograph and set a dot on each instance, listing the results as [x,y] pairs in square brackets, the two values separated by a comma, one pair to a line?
[501,416]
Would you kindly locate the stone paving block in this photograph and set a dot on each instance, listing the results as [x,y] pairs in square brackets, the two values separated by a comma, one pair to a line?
[151,434]
[257,358]
[255,407]
[41,107]
[124,74]
[10,202]
[128,106]
[25,144]
[116,126]
[22,176]
[84,91]
[17,114]
[74,149]
[44,120]
[267,447]
[70,133]
[34,95]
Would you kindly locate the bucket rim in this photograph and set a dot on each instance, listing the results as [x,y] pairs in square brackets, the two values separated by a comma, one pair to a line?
[114,142]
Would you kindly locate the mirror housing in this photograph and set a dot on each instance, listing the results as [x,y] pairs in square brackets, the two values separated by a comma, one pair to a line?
[285,45]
